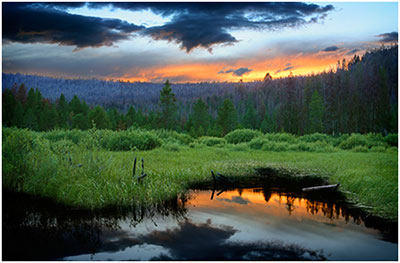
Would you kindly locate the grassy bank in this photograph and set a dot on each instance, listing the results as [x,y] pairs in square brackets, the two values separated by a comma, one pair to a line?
[90,170]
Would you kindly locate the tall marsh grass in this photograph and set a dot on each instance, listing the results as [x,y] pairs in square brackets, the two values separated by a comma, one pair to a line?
[93,169]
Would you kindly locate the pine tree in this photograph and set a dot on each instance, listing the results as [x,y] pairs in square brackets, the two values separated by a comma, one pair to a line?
[21,94]
[8,107]
[316,113]
[99,117]
[290,111]
[80,121]
[31,101]
[62,111]
[227,117]
[18,116]
[268,124]
[30,120]
[75,105]
[130,116]
[250,117]
[168,107]
[200,119]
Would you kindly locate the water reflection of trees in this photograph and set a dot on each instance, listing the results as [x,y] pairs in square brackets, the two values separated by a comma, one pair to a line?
[315,205]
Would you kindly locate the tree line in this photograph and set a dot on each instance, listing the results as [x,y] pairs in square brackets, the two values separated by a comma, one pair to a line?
[359,96]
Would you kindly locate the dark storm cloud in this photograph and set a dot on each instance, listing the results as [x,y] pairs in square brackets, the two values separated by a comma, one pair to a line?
[237,72]
[32,23]
[204,25]
[388,37]
[192,25]
[330,49]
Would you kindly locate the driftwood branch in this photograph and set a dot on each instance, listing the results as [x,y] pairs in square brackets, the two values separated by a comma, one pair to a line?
[220,192]
[214,179]
[212,194]
[223,178]
[220,178]
[321,187]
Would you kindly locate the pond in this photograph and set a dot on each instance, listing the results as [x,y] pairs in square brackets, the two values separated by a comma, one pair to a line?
[256,223]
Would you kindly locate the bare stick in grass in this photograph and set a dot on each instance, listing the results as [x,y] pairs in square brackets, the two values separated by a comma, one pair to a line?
[134,169]
[143,175]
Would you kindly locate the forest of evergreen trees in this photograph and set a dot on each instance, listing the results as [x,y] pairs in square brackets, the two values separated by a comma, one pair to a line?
[359,96]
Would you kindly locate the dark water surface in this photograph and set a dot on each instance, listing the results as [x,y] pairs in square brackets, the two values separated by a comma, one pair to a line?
[241,224]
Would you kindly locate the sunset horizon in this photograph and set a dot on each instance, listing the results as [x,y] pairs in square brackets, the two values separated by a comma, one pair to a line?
[190,42]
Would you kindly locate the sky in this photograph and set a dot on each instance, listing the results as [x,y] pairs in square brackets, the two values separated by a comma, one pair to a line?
[190,41]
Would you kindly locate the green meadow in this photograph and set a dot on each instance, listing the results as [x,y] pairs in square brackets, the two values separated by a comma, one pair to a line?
[93,169]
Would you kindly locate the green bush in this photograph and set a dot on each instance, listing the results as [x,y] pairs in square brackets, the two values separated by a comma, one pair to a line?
[378,149]
[212,141]
[301,147]
[173,136]
[392,150]
[316,137]
[240,147]
[336,141]
[353,141]
[129,140]
[281,137]
[257,143]
[360,148]
[62,146]
[276,146]
[171,147]
[391,139]
[241,135]
[375,140]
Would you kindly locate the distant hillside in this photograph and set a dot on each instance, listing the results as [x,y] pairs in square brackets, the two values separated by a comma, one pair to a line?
[116,93]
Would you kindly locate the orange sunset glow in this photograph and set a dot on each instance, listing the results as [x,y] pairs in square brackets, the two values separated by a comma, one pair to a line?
[196,72]
[152,46]
[279,205]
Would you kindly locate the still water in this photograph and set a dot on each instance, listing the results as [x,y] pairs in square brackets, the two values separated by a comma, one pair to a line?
[242,224]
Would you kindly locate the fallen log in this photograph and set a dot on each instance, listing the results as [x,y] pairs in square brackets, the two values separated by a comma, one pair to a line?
[321,187]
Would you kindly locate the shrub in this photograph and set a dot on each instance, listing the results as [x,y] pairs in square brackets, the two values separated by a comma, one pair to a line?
[391,139]
[240,147]
[62,146]
[392,150]
[336,141]
[301,147]
[316,137]
[128,140]
[173,136]
[378,149]
[257,143]
[171,147]
[360,148]
[281,137]
[212,141]
[241,135]
[354,140]
[276,146]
